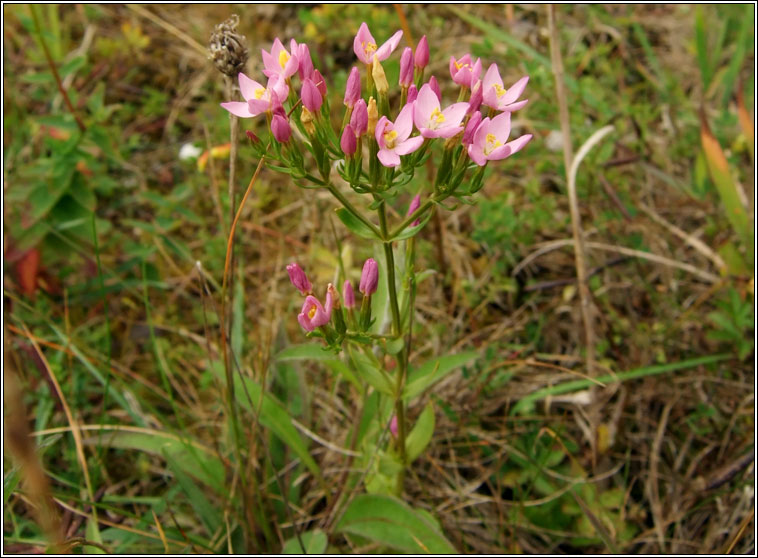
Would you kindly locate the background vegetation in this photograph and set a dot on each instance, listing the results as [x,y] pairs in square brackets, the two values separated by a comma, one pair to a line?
[114,251]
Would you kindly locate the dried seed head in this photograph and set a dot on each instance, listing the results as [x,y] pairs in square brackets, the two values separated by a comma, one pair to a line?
[227,48]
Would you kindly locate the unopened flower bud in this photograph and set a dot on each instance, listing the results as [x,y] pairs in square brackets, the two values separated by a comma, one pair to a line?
[320,82]
[353,87]
[311,96]
[422,53]
[412,93]
[252,137]
[473,124]
[435,87]
[335,296]
[359,118]
[393,426]
[299,279]
[348,143]
[373,116]
[280,128]
[476,98]
[380,79]
[415,204]
[369,277]
[406,68]
[304,62]
[306,117]
[347,292]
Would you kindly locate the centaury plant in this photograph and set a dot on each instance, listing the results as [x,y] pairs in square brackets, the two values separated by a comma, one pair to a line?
[383,139]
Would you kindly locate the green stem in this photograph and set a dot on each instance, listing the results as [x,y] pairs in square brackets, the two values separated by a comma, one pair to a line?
[412,217]
[351,208]
[402,357]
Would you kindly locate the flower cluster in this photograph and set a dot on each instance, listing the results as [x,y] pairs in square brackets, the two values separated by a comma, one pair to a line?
[315,315]
[384,137]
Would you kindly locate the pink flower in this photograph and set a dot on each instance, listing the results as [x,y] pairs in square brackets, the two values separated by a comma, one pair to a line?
[497,97]
[348,143]
[353,87]
[280,128]
[311,96]
[415,204]
[369,277]
[490,140]
[348,294]
[258,99]
[393,138]
[433,123]
[422,53]
[365,47]
[299,279]
[406,68]
[314,315]
[359,118]
[279,62]
[464,71]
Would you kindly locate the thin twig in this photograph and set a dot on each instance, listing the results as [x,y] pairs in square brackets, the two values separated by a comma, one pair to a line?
[576,222]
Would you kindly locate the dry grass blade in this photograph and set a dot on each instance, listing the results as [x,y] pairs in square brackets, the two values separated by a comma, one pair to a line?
[200,49]
[74,425]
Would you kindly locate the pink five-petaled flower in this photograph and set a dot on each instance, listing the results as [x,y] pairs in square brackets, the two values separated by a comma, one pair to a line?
[431,121]
[314,315]
[369,277]
[365,47]
[490,139]
[464,71]
[279,62]
[299,279]
[258,99]
[496,96]
[393,139]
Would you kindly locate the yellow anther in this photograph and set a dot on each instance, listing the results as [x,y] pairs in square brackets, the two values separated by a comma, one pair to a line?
[500,90]
[312,312]
[283,58]
[390,138]
[259,93]
[492,144]
[437,117]
[368,48]
[458,65]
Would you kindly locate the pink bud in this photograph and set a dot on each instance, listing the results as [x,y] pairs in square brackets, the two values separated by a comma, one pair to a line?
[435,87]
[393,426]
[299,279]
[320,82]
[304,62]
[252,137]
[359,118]
[369,277]
[406,68]
[415,204]
[280,128]
[311,96]
[422,53]
[353,87]
[348,294]
[473,124]
[348,143]
[412,93]
[476,98]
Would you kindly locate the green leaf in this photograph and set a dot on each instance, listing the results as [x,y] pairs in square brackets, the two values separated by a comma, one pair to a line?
[433,371]
[10,482]
[421,434]
[314,542]
[413,231]
[370,372]
[195,460]
[207,513]
[274,416]
[355,225]
[390,522]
